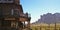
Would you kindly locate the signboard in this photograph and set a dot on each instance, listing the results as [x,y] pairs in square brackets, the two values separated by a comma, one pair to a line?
[9,18]
[23,19]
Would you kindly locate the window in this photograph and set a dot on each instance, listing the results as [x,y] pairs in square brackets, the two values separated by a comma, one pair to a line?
[9,0]
[0,0]
[15,12]
[6,23]
[0,12]
[12,12]
[5,0]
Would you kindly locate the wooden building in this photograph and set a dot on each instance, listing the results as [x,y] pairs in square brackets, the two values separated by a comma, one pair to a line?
[12,16]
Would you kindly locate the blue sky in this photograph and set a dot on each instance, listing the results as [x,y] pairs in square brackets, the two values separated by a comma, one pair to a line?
[40,7]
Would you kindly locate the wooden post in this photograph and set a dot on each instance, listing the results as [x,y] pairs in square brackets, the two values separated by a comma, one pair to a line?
[28,25]
[24,24]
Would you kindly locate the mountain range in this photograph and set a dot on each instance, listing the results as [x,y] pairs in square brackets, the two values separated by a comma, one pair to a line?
[49,18]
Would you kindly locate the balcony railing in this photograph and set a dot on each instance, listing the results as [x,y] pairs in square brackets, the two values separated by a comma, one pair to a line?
[6,1]
[25,15]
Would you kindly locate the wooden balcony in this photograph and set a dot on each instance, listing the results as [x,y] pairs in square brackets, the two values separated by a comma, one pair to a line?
[25,17]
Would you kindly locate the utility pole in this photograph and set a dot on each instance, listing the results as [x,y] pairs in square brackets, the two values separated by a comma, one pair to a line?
[55,25]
